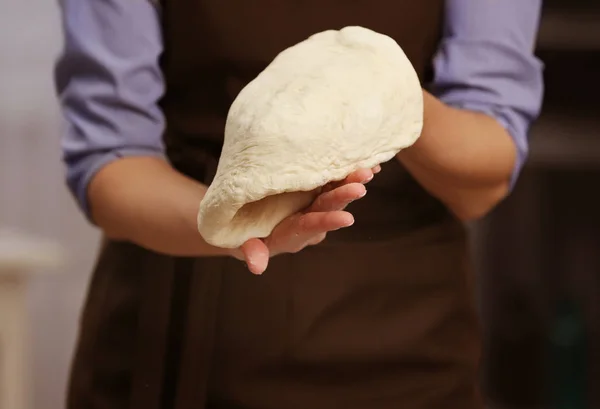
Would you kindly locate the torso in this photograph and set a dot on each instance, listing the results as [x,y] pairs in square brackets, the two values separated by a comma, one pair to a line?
[381,315]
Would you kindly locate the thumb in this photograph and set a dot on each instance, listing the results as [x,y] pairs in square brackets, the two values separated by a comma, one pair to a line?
[256,255]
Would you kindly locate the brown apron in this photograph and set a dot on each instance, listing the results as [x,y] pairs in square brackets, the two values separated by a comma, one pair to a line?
[379,316]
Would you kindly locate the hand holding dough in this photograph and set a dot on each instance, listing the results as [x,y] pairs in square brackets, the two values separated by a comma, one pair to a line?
[334,103]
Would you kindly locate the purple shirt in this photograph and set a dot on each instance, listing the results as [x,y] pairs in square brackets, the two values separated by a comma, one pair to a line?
[109,79]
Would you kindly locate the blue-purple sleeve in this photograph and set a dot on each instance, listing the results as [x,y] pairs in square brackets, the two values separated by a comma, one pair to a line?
[486,63]
[109,83]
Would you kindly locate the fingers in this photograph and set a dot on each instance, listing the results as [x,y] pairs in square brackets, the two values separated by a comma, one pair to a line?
[311,228]
[317,239]
[256,255]
[292,235]
[298,231]
[316,223]
[338,198]
[363,176]
[359,176]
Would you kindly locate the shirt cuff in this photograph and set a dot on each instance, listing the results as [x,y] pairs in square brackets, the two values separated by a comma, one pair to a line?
[494,78]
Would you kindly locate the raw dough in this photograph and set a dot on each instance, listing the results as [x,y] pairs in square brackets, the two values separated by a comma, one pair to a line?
[334,103]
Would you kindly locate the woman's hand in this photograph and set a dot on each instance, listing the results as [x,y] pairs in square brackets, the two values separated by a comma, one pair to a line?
[145,201]
[310,226]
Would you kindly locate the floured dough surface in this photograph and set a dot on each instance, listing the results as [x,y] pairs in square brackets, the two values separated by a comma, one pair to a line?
[334,103]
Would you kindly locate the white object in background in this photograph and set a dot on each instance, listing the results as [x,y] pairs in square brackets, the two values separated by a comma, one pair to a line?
[20,255]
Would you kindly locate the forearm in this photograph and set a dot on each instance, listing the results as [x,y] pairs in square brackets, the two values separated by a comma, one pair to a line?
[146,201]
[463,158]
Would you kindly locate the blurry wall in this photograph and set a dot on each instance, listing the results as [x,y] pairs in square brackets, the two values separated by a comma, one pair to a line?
[32,195]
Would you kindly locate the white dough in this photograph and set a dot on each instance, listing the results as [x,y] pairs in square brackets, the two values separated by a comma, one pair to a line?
[334,103]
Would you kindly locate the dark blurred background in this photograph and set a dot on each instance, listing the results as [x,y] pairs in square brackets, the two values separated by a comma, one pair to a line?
[537,253]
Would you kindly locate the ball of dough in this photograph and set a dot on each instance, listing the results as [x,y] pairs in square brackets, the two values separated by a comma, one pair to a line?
[334,103]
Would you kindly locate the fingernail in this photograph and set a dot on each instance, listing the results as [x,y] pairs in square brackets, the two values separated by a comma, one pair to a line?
[347,224]
[370,178]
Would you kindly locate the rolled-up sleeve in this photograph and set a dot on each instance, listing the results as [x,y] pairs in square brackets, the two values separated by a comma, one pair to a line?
[109,83]
[486,63]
